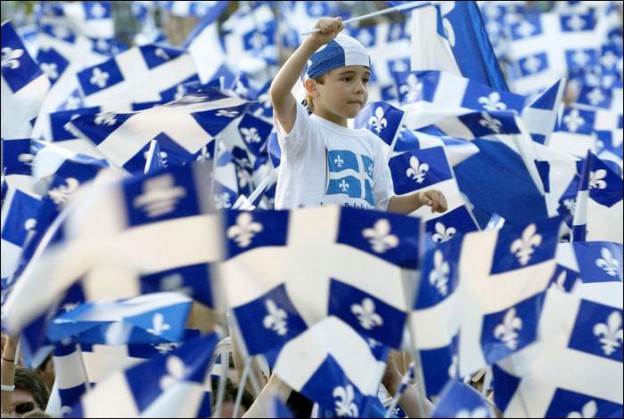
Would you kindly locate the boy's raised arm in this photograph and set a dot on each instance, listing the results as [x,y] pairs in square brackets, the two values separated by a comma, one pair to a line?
[284,104]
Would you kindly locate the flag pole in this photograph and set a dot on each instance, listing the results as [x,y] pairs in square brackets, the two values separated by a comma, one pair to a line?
[241,386]
[413,279]
[402,7]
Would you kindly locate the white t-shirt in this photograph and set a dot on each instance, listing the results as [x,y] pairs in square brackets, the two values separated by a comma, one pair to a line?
[325,163]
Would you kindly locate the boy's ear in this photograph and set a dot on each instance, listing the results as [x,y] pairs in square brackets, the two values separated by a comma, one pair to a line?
[311,87]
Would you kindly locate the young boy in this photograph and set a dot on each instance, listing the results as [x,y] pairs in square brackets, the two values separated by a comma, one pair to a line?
[323,161]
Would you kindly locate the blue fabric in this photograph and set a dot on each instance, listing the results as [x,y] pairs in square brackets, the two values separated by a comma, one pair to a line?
[342,51]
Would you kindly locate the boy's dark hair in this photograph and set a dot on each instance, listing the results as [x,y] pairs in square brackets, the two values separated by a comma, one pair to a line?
[32,383]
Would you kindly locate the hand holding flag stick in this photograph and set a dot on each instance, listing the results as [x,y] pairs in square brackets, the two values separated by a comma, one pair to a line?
[400,8]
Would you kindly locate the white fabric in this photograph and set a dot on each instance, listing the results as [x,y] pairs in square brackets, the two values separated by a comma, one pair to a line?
[303,175]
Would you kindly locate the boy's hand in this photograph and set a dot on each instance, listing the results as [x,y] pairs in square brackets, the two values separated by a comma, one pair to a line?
[329,29]
[435,199]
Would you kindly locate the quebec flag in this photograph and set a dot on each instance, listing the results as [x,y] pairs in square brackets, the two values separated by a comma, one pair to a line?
[24,86]
[172,205]
[573,370]
[182,129]
[442,34]
[339,371]
[142,74]
[488,288]
[277,288]
[598,214]
[171,385]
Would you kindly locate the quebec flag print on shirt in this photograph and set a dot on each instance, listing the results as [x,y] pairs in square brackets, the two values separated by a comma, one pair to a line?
[350,175]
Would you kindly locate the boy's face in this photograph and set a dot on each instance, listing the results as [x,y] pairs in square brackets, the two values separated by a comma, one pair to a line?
[343,94]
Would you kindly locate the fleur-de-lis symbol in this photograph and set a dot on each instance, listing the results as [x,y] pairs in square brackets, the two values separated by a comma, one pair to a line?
[596,179]
[589,410]
[580,58]
[159,196]
[595,96]
[265,99]
[250,135]
[226,113]
[611,332]
[102,45]
[61,32]
[222,200]
[608,263]
[532,64]
[243,177]
[370,170]
[412,89]
[506,331]
[244,230]
[105,118]
[438,277]
[10,57]
[98,11]
[492,102]
[26,158]
[338,161]
[490,123]
[180,90]
[344,401]
[417,171]
[73,102]
[239,88]
[366,315]
[203,154]
[70,307]
[373,343]
[574,120]
[344,186]
[378,122]
[166,347]
[175,372]
[158,325]
[159,52]
[30,224]
[60,194]
[523,247]
[99,78]
[525,29]
[479,412]
[276,319]
[258,40]
[576,23]
[442,233]
[380,238]
[175,282]
[50,70]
